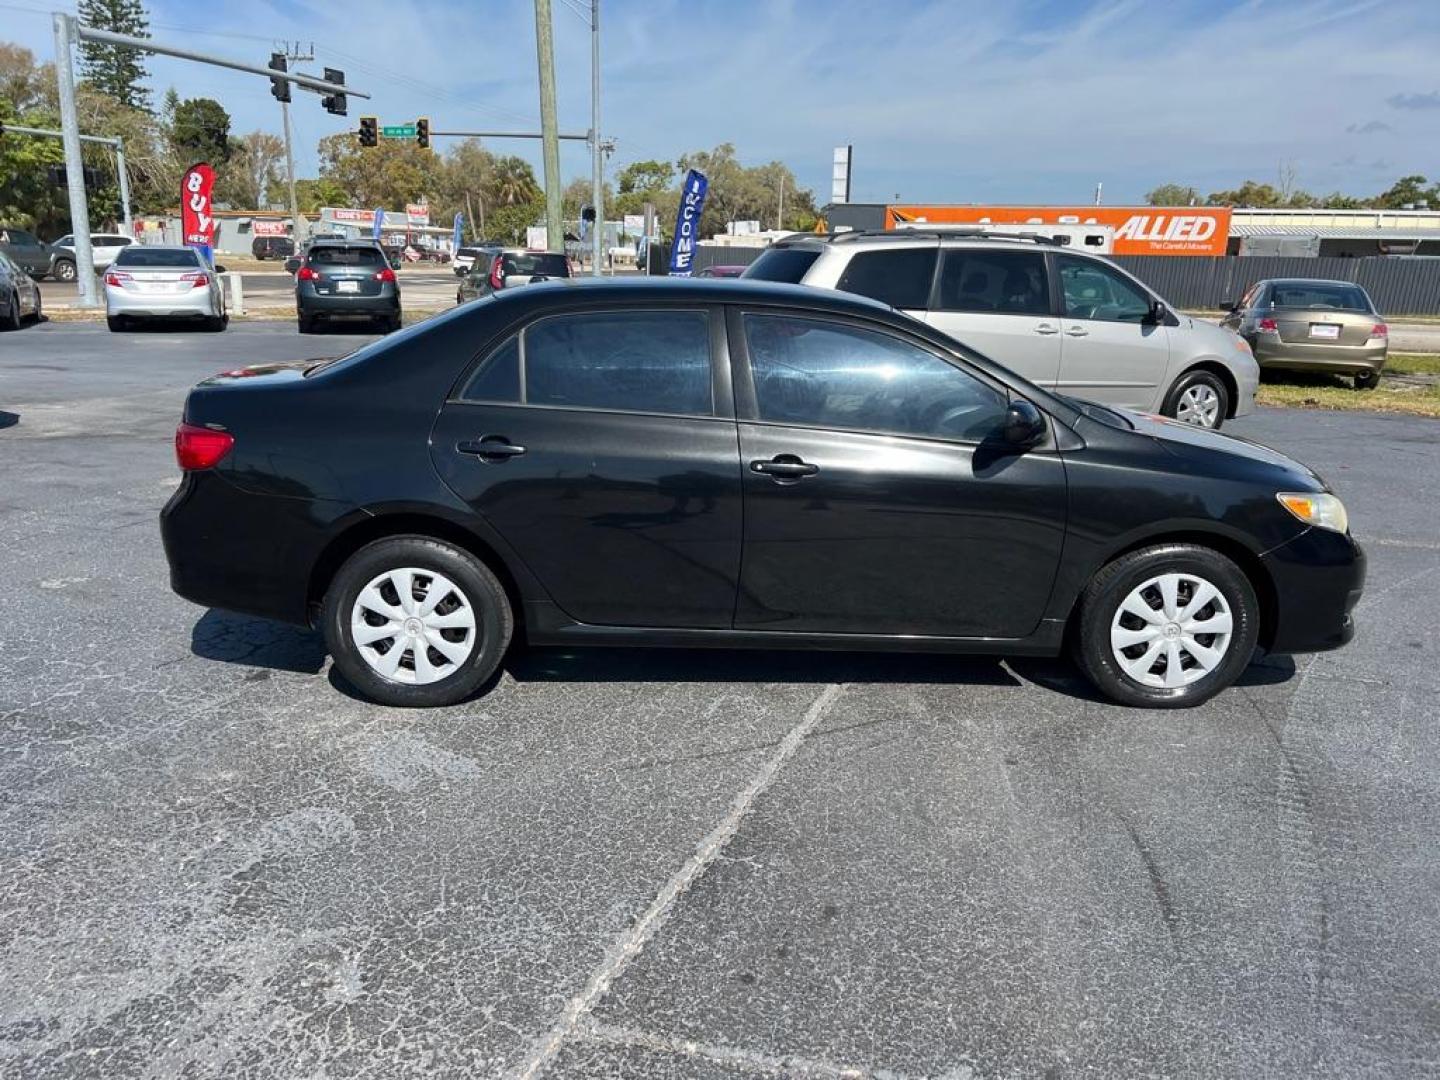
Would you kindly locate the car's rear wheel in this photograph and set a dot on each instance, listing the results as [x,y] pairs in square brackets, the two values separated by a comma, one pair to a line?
[39,307]
[392,323]
[12,318]
[1200,398]
[307,324]
[412,621]
[1367,380]
[116,323]
[216,323]
[1167,626]
[64,270]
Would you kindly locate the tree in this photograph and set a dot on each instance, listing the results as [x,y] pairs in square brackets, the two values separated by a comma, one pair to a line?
[513,182]
[253,168]
[389,175]
[114,70]
[1172,195]
[1250,193]
[645,177]
[1408,189]
[200,131]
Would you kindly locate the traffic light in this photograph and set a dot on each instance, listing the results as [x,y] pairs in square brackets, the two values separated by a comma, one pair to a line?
[422,133]
[334,103]
[369,130]
[279,88]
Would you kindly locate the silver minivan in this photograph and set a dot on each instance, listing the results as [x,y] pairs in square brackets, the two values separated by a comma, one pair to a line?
[1067,320]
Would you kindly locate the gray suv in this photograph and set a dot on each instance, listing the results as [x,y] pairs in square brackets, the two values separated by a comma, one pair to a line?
[346,279]
[1066,320]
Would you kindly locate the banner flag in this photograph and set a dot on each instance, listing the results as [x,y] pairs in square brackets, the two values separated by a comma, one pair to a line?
[687,223]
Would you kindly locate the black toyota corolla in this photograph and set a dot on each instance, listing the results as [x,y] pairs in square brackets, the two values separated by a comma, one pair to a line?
[742,465]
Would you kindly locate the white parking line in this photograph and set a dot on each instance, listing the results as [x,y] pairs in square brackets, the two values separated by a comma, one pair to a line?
[630,943]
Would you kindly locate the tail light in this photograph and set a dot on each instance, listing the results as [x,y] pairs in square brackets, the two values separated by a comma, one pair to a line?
[117,278]
[305,273]
[197,279]
[201,447]
[1268,326]
[385,275]
[1380,330]
[497,274]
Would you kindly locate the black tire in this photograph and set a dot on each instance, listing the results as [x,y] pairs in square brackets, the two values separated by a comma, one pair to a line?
[1100,605]
[393,323]
[494,622]
[116,323]
[64,270]
[1200,381]
[12,317]
[39,315]
[217,323]
[1367,380]
[307,324]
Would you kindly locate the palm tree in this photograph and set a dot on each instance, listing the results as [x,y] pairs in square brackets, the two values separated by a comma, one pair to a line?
[511,182]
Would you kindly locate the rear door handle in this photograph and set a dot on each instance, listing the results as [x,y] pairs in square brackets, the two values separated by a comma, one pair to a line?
[490,448]
[1077,331]
[1047,328]
[784,467]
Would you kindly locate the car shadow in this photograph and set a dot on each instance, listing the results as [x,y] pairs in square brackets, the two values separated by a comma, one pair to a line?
[258,643]
[163,326]
[8,419]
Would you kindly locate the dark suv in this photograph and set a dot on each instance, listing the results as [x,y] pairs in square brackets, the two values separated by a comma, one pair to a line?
[346,279]
[272,247]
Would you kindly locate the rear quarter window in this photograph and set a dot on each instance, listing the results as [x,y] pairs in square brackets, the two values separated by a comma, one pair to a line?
[788,265]
[900,278]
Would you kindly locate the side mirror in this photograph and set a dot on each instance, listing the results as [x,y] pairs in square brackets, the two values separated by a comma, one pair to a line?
[1157,312]
[291,265]
[219,269]
[1229,305]
[1024,424]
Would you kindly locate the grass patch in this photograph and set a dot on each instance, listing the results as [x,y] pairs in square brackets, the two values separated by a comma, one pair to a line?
[1299,391]
[1412,364]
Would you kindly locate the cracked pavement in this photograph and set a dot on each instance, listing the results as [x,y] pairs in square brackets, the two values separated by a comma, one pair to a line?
[215,863]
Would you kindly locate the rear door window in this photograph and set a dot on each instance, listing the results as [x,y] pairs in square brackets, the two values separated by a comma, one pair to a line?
[1000,282]
[631,361]
[899,278]
[788,265]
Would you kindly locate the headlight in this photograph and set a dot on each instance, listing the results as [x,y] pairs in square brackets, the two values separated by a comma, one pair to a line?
[1316,508]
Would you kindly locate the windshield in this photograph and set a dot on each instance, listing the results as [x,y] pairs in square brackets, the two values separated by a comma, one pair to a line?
[143,256]
[1320,295]
[537,263]
[782,264]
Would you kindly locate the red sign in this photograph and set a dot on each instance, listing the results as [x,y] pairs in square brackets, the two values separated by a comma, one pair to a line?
[197,222]
[418,213]
[346,214]
[267,228]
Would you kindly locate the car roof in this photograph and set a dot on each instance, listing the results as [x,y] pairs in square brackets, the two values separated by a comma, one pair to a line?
[340,241]
[700,290]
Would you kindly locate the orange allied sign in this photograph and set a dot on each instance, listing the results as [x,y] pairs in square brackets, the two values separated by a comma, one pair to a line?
[1139,230]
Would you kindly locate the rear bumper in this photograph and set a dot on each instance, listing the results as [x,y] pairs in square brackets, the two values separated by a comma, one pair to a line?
[312,303]
[1319,578]
[1270,352]
[194,304]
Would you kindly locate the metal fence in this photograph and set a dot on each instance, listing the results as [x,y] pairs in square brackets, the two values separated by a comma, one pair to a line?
[1399,286]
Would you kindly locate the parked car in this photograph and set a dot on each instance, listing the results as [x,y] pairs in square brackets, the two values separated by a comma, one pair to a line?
[33,256]
[722,271]
[19,295]
[509,268]
[155,284]
[1069,321]
[465,256]
[346,279]
[272,247]
[1305,324]
[653,462]
[103,249]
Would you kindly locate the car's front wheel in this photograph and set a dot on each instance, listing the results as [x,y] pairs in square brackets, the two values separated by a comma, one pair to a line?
[413,621]
[1200,398]
[1167,626]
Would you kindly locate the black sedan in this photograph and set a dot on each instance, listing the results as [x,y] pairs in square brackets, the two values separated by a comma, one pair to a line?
[738,465]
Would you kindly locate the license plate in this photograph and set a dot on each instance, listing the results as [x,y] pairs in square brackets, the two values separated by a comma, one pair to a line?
[354,286]
[1326,331]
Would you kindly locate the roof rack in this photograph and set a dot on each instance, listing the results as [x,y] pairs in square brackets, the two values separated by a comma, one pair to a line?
[943,233]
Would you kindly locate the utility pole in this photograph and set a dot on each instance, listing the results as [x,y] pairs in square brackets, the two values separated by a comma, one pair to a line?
[74,163]
[597,181]
[545,50]
[298,224]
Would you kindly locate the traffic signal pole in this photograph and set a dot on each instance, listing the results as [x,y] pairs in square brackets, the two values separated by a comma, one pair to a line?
[68,32]
[117,144]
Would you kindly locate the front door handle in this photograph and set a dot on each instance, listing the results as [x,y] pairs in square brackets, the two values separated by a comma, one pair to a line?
[490,448]
[1077,331]
[1047,328]
[784,467]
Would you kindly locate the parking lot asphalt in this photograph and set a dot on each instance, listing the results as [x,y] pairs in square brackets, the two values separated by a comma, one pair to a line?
[215,862]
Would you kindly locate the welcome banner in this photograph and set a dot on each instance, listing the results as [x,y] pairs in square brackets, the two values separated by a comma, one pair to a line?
[687,223]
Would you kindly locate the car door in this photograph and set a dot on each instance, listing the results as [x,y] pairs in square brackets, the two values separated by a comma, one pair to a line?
[999,303]
[878,499]
[601,445]
[1111,349]
[26,250]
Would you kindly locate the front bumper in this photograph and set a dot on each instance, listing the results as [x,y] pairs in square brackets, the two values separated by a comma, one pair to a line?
[1319,578]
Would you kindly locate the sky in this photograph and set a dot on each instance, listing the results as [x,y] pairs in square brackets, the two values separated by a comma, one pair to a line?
[1010,101]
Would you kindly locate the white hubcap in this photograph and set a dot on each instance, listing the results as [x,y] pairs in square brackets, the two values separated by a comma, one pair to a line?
[1200,405]
[1171,631]
[413,626]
